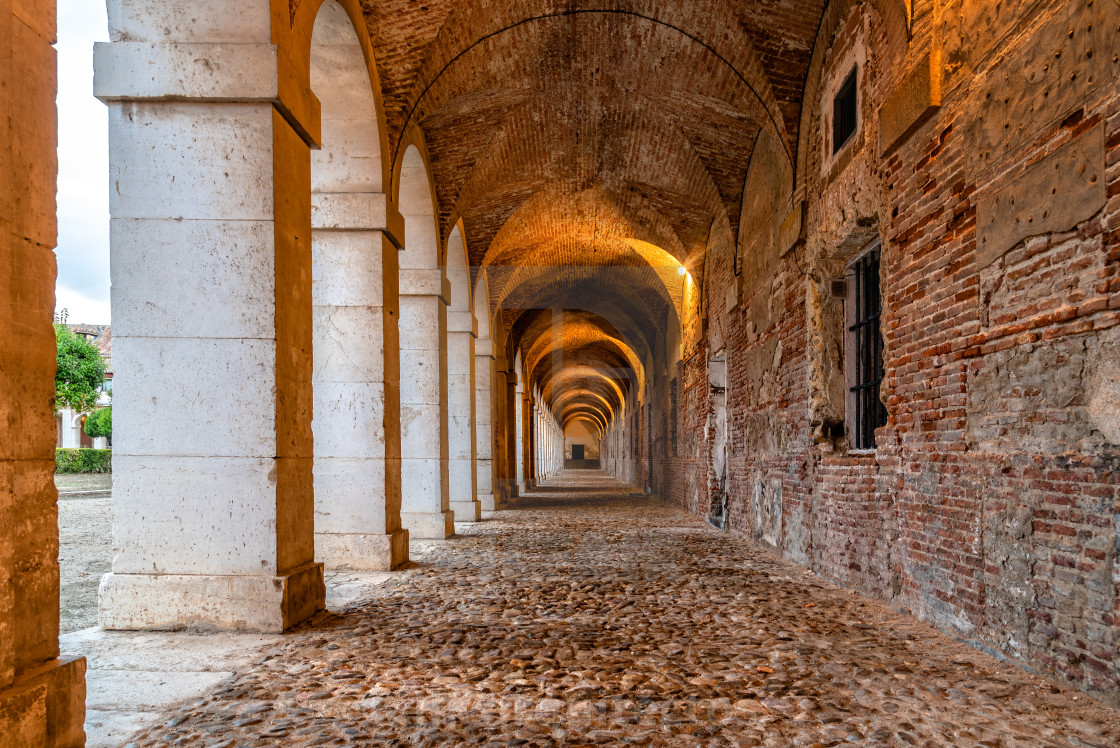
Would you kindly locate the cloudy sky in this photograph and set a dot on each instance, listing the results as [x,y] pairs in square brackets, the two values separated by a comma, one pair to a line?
[83,168]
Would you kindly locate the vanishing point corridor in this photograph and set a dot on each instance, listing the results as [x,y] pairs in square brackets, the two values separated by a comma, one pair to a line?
[564,372]
[595,615]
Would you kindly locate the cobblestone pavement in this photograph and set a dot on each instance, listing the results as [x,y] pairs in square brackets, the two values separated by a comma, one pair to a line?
[594,616]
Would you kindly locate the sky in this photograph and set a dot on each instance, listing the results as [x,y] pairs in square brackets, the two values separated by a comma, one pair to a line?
[83,167]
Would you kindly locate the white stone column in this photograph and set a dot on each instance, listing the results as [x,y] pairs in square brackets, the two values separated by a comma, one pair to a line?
[526,421]
[544,442]
[530,440]
[558,449]
[547,450]
[512,407]
[462,489]
[357,382]
[519,437]
[425,499]
[538,426]
[425,293]
[484,423]
[211,269]
[502,490]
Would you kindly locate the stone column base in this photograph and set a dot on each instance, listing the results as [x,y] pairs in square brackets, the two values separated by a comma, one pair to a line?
[268,604]
[467,511]
[429,525]
[355,551]
[487,502]
[46,707]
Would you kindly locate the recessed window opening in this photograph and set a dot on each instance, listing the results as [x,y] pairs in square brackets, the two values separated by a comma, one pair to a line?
[865,345]
[845,112]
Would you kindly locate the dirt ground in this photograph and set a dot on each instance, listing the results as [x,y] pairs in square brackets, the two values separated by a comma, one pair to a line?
[85,552]
[83,482]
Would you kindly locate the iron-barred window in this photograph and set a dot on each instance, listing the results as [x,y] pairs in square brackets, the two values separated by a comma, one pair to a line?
[865,345]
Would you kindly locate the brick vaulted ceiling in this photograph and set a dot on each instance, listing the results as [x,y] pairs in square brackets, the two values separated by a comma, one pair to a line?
[588,145]
[657,102]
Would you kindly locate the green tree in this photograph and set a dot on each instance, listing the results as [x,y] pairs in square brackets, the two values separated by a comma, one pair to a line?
[100,423]
[80,373]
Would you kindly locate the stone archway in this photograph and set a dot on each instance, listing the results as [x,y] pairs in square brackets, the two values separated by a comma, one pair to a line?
[462,332]
[355,235]
[425,293]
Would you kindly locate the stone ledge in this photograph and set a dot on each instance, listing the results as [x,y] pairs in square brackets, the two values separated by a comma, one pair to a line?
[168,602]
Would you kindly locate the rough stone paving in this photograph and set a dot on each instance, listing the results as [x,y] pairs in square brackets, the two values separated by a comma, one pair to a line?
[594,615]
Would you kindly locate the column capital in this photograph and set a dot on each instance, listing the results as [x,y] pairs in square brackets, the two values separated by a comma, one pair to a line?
[218,73]
[484,348]
[462,322]
[357,211]
[425,282]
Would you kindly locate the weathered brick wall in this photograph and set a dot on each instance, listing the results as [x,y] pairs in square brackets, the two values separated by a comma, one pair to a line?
[683,475]
[990,507]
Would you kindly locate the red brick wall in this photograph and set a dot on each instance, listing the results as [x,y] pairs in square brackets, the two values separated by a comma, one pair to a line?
[991,505]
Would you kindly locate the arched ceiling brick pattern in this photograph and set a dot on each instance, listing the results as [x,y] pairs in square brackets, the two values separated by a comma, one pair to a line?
[579,360]
[587,147]
[535,92]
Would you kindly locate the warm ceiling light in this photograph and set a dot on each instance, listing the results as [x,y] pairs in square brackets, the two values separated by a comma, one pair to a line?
[681,270]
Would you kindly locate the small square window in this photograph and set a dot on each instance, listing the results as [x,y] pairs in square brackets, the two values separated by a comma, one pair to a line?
[845,112]
[864,351]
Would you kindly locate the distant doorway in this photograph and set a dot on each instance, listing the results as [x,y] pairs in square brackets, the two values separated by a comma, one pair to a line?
[578,452]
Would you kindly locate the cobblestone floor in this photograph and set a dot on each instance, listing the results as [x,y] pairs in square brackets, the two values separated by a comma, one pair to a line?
[593,616]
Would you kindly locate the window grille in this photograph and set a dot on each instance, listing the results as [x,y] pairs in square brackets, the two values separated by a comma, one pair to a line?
[866,345]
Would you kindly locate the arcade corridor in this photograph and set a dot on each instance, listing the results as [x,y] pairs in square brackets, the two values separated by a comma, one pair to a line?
[829,288]
[594,615]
